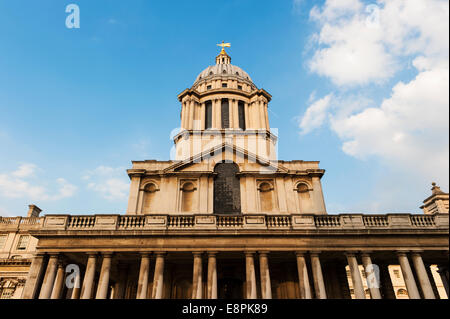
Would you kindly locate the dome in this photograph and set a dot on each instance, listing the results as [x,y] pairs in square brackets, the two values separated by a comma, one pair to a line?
[223,70]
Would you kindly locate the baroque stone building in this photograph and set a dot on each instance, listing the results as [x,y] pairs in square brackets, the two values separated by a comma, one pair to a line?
[226,219]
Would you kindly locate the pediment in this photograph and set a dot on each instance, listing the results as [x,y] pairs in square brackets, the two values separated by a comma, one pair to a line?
[226,152]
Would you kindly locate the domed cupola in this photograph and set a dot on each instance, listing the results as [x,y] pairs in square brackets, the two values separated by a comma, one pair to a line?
[224,70]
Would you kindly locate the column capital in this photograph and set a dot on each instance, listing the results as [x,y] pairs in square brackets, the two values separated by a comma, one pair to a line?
[212,253]
[416,252]
[350,254]
[315,253]
[366,253]
[92,254]
[145,253]
[300,253]
[401,253]
[107,254]
[263,253]
[197,253]
[249,253]
[160,253]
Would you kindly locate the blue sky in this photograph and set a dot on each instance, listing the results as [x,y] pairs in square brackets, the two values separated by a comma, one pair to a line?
[361,86]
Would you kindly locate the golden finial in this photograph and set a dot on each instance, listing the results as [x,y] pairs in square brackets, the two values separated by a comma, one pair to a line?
[224,45]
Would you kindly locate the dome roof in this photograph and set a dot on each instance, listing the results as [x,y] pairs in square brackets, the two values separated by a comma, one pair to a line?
[223,70]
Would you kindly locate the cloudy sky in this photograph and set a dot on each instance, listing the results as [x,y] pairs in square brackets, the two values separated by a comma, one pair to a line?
[361,86]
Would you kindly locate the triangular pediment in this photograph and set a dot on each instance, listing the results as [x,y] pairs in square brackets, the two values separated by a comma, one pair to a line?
[227,149]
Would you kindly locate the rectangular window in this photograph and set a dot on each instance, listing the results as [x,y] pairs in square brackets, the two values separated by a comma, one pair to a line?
[239,87]
[241,111]
[209,87]
[2,241]
[224,85]
[208,115]
[225,114]
[23,242]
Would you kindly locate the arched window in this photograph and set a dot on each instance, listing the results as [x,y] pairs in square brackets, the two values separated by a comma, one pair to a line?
[402,293]
[149,198]
[225,114]
[208,115]
[266,197]
[227,189]
[187,197]
[304,197]
[241,114]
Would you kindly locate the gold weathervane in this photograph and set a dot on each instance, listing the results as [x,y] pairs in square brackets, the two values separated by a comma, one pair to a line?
[224,45]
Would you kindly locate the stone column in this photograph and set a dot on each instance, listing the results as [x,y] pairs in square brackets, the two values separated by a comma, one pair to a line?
[411,286]
[34,277]
[266,287]
[262,120]
[191,114]
[158,279]
[49,278]
[319,284]
[103,283]
[183,115]
[266,115]
[356,276]
[197,276]
[247,116]
[305,287]
[212,276]
[250,276]
[424,281]
[59,282]
[76,290]
[143,276]
[373,280]
[443,273]
[203,116]
[217,111]
[88,282]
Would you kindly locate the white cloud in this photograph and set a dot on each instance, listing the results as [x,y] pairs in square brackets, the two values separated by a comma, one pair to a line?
[409,129]
[358,44]
[17,184]
[25,170]
[315,115]
[110,182]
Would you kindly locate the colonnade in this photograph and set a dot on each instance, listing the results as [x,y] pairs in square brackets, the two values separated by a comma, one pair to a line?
[311,281]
